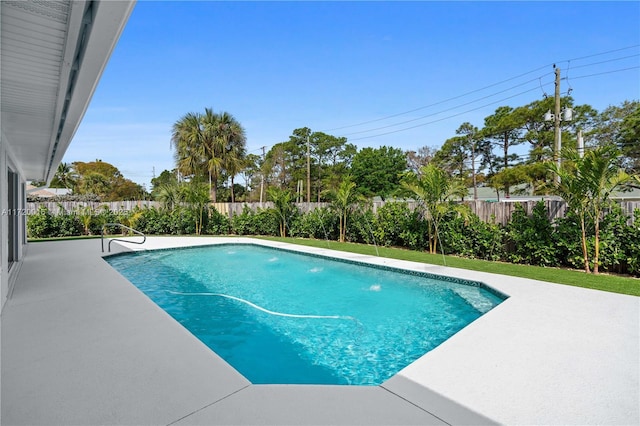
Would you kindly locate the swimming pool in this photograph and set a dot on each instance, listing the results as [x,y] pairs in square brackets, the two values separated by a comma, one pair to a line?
[282,317]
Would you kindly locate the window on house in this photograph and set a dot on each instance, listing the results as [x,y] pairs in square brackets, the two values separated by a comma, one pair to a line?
[12,214]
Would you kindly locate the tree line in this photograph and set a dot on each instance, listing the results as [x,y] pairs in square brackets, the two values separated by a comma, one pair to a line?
[210,148]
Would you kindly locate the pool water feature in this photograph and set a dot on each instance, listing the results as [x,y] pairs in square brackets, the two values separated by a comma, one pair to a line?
[281,317]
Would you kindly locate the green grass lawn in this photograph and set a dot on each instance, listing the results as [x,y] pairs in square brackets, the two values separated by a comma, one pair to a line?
[605,282]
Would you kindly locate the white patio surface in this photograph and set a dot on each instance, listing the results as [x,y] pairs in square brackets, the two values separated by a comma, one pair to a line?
[81,345]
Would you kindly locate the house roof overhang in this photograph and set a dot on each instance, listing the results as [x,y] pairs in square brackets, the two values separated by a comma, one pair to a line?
[52,55]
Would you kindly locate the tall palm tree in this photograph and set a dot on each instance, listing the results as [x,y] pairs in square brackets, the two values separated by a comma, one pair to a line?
[187,139]
[233,139]
[204,141]
[214,149]
[434,190]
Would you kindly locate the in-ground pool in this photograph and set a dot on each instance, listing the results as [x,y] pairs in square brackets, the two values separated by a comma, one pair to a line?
[282,317]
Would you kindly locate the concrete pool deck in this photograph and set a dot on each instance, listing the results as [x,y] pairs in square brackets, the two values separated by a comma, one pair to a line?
[81,345]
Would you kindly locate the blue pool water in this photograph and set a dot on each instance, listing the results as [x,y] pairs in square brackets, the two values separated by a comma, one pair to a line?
[283,317]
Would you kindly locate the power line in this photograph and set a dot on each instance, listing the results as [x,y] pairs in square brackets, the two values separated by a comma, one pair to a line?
[607,72]
[471,110]
[448,109]
[445,118]
[539,86]
[607,61]
[489,86]
[439,102]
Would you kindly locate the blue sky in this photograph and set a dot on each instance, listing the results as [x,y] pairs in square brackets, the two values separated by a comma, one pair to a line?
[278,66]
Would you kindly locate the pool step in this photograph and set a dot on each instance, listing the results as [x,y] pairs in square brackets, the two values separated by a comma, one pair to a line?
[474,297]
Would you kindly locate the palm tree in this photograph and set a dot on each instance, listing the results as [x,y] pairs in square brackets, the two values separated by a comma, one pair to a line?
[570,188]
[601,175]
[233,140]
[168,194]
[65,177]
[586,185]
[196,195]
[434,190]
[283,204]
[214,148]
[188,140]
[343,199]
[203,143]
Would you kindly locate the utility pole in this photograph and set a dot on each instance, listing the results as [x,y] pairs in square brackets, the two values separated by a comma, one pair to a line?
[472,142]
[580,144]
[557,117]
[308,169]
[556,126]
[262,177]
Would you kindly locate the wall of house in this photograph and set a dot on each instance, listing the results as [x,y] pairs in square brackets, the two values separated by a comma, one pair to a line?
[12,220]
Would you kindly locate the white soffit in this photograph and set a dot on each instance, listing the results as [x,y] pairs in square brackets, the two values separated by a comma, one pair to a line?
[52,56]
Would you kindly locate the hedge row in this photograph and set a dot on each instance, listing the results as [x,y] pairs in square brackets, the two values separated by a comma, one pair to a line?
[532,240]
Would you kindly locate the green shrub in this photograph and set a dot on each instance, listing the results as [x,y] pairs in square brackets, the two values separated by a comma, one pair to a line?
[261,222]
[466,235]
[397,225]
[360,224]
[217,223]
[633,245]
[619,242]
[568,241]
[154,221]
[103,216]
[530,238]
[183,221]
[320,223]
[40,224]
[67,225]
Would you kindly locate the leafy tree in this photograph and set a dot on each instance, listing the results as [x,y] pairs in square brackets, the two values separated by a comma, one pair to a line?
[289,159]
[474,139]
[619,125]
[165,178]
[503,130]
[629,140]
[451,157]
[540,133]
[416,160]
[378,171]
[332,157]
[94,183]
[252,173]
[105,180]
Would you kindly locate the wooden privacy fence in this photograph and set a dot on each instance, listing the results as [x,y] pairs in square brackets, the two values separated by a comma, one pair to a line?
[501,212]
[498,212]
[57,207]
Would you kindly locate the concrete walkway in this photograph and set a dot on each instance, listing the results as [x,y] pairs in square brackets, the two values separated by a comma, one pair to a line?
[81,345]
